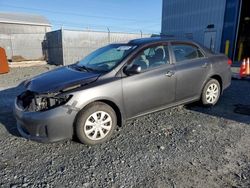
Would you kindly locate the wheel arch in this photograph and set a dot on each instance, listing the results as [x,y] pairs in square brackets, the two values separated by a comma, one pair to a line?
[116,109]
[219,79]
[113,105]
[216,77]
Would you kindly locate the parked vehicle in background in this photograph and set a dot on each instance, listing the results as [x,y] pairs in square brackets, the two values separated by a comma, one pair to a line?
[116,83]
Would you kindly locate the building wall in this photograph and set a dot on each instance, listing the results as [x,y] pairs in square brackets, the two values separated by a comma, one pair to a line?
[23,42]
[232,16]
[68,46]
[190,18]
[8,28]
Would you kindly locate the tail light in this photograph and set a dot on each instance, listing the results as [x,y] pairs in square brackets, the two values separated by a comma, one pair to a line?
[229,62]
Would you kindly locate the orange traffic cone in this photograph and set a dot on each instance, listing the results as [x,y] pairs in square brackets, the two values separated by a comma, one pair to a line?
[243,69]
[4,67]
[248,67]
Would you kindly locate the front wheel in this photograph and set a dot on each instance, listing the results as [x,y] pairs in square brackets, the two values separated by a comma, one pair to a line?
[96,123]
[211,93]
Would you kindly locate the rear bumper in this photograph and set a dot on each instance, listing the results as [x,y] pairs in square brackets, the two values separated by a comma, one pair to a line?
[48,126]
[227,78]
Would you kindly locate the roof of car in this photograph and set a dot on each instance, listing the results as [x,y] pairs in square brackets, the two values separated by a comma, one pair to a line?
[23,18]
[142,41]
[147,40]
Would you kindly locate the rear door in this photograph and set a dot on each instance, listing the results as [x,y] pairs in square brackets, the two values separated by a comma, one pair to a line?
[191,68]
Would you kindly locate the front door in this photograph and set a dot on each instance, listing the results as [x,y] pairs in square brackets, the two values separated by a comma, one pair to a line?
[154,87]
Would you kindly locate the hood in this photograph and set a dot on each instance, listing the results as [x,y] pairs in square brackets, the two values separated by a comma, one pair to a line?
[59,79]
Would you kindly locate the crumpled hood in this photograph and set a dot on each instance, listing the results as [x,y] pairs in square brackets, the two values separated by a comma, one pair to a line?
[59,79]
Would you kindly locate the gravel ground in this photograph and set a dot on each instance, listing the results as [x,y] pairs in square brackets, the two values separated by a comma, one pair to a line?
[17,75]
[186,146]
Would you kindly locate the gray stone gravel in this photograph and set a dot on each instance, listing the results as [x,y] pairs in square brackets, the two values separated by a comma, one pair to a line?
[186,146]
[16,75]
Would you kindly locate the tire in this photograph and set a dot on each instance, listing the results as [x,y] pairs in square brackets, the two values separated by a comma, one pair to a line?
[95,124]
[211,93]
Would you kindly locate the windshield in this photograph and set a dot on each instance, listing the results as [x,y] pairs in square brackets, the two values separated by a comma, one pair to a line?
[106,58]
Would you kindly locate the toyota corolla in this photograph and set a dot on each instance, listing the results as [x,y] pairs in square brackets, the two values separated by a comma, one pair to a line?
[115,83]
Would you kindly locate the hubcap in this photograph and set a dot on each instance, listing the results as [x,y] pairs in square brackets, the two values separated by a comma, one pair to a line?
[98,125]
[212,93]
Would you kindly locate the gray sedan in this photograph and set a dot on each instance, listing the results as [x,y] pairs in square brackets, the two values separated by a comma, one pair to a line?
[116,83]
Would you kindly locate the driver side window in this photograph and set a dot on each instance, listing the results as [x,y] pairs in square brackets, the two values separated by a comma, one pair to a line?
[152,57]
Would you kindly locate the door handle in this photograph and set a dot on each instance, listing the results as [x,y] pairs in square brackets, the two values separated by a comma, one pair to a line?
[169,73]
[204,65]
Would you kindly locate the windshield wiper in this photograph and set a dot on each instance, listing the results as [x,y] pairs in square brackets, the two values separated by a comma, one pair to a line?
[82,68]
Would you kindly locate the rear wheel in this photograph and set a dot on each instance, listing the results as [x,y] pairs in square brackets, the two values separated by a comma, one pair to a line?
[211,92]
[96,123]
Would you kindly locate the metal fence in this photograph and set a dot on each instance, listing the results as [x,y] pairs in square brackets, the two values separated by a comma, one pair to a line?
[68,46]
[22,41]
[23,46]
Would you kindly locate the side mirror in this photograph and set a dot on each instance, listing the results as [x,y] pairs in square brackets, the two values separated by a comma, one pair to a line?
[134,69]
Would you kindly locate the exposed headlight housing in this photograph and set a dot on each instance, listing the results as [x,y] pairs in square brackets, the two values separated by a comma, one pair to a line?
[31,101]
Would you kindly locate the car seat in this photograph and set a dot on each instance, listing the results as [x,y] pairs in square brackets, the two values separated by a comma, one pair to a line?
[158,58]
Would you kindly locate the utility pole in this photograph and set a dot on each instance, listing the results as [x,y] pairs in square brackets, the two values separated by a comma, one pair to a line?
[108,35]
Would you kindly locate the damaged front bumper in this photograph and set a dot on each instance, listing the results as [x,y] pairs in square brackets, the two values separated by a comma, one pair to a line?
[45,125]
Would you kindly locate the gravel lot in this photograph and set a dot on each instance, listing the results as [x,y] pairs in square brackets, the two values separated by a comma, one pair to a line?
[186,146]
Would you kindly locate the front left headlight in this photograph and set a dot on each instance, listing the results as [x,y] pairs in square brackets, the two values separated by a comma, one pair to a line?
[46,103]
[31,101]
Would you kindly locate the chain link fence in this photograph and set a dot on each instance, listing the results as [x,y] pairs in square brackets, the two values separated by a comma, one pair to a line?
[60,47]
[68,46]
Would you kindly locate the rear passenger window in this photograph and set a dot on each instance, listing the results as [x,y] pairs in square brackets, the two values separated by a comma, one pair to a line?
[184,52]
